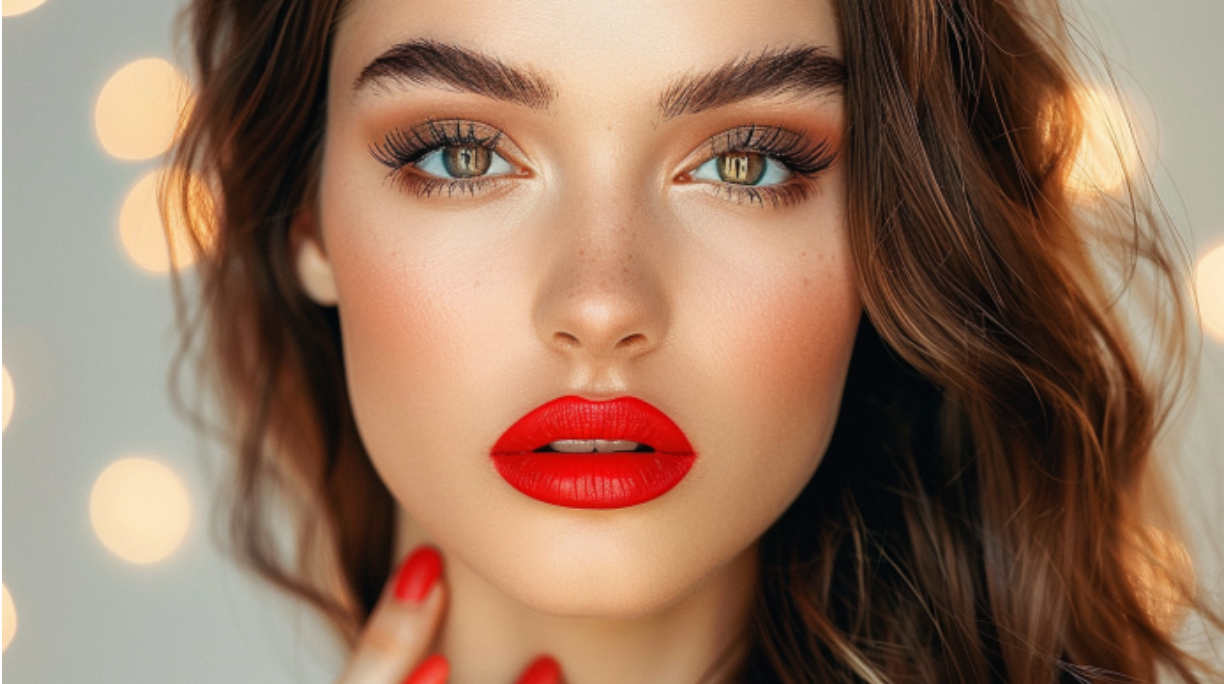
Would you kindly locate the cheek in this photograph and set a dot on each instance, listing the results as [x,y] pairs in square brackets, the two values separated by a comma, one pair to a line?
[416,310]
[771,341]
[417,292]
[391,321]
[799,341]
[784,341]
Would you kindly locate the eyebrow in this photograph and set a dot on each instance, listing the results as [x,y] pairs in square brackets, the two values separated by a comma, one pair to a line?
[430,62]
[801,70]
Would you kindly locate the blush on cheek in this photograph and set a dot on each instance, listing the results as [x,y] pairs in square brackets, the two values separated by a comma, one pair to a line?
[778,336]
[391,327]
[805,333]
[400,294]
[793,338]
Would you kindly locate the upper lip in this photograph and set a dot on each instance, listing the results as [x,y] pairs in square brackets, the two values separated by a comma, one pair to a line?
[623,418]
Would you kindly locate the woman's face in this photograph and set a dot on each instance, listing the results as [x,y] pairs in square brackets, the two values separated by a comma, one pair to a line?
[634,198]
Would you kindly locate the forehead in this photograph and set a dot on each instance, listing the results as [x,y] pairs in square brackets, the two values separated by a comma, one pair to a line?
[588,47]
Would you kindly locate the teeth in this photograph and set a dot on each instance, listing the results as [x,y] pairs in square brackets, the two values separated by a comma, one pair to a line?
[584,446]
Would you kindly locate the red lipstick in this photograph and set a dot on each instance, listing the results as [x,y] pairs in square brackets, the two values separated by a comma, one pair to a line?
[579,453]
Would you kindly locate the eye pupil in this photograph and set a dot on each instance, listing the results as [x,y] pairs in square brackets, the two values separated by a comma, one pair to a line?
[742,168]
[466,161]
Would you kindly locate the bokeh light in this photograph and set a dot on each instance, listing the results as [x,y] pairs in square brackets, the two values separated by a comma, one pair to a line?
[1209,282]
[137,115]
[139,509]
[9,398]
[1164,577]
[1109,150]
[10,619]
[143,234]
[11,9]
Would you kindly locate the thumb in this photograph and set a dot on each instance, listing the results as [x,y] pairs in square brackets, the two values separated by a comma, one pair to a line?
[399,632]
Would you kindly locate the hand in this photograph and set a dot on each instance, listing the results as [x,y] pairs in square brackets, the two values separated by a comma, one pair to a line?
[402,627]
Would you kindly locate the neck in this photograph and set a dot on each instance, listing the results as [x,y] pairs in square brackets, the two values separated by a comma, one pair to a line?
[698,638]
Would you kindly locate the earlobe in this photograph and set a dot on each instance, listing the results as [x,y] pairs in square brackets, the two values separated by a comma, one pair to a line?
[314,271]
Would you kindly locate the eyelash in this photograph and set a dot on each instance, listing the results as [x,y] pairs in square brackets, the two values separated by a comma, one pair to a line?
[400,150]
[804,158]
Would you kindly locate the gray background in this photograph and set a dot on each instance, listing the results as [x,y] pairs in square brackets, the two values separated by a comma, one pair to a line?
[88,340]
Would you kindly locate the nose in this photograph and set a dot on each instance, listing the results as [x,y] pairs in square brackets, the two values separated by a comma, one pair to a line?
[602,298]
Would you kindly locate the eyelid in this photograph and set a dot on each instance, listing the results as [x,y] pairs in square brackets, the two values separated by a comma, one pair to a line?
[776,142]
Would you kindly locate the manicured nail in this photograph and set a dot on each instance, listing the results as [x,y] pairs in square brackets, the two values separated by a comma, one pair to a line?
[432,670]
[543,670]
[418,574]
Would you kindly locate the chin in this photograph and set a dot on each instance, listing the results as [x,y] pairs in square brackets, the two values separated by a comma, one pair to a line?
[592,597]
[600,574]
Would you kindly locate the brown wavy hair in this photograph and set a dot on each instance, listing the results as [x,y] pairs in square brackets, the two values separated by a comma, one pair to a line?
[985,510]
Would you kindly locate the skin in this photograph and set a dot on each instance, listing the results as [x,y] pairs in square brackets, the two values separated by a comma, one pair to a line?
[598,270]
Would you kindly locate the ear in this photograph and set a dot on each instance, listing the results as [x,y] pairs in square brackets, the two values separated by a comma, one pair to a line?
[314,271]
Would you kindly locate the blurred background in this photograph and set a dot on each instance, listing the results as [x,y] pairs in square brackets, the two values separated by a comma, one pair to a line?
[109,573]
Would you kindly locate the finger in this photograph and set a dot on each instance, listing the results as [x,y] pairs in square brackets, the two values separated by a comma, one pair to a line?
[400,630]
[434,670]
[542,670]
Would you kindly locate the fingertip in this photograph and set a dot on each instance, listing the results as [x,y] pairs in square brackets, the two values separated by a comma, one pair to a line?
[543,670]
[432,670]
[418,575]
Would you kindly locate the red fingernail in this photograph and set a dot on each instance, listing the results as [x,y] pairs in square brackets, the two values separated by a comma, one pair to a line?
[544,670]
[418,574]
[433,670]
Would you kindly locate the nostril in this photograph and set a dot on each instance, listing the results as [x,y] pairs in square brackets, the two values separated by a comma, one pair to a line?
[632,341]
[565,339]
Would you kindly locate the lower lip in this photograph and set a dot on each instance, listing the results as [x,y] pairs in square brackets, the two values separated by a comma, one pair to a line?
[609,480]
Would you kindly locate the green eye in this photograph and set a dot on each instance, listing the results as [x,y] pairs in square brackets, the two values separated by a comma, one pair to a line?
[742,168]
[463,161]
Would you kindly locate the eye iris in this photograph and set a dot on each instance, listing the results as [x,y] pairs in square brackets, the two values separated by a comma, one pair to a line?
[743,168]
[466,161]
